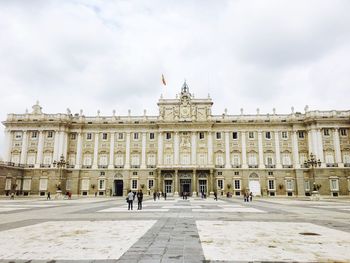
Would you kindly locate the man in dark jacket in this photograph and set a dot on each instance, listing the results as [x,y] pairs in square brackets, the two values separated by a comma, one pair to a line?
[139,200]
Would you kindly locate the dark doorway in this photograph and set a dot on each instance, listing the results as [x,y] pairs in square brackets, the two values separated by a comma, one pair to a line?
[185,186]
[118,187]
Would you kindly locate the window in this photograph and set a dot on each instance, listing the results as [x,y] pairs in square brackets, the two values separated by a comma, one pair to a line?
[219,173]
[185,159]
[236,160]
[104,136]
[136,135]
[120,136]
[235,135]
[284,135]
[252,160]
[218,135]
[85,184]
[150,173]
[220,184]
[135,159]
[34,134]
[201,135]
[49,134]
[134,184]
[326,132]
[346,157]
[251,135]
[18,135]
[87,159]
[134,173]
[269,160]
[289,185]
[268,135]
[103,160]
[102,173]
[150,183]
[302,158]
[286,159]
[343,132]
[151,136]
[89,136]
[43,184]
[73,136]
[271,184]
[329,158]
[307,185]
[237,184]
[101,184]
[168,159]
[301,134]
[334,185]
[219,159]
[202,159]
[168,135]
[119,159]
[270,173]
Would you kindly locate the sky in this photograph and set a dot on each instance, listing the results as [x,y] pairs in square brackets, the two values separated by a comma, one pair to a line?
[110,55]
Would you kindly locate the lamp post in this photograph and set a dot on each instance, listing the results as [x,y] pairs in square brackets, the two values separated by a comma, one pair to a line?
[61,164]
[312,163]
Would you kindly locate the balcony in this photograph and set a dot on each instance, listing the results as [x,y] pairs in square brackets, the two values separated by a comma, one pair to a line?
[252,166]
[346,164]
[119,166]
[270,166]
[287,166]
[236,166]
[219,166]
[30,165]
[45,165]
[86,166]
[70,166]
[332,165]
[151,166]
[102,166]
[135,166]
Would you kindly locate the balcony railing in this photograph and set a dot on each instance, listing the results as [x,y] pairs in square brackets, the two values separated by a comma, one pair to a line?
[119,166]
[87,166]
[270,166]
[135,166]
[287,166]
[70,166]
[236,166]
[346,164]
[45,165]
[102,166]
[151,166]
[331,165]
[12,164]
[252,166]
[30,165]
[219,166]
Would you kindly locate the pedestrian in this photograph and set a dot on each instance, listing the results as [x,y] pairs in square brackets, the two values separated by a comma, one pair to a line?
[251,196]
[95,194]
[48,196]
[158,195]
[139,200]
[12,197]
[69,195]
[215,196]
[165,196]
[245,197]
[130,199]
[154,196]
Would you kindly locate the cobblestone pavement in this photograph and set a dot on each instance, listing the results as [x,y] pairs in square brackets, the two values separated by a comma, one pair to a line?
[175,230]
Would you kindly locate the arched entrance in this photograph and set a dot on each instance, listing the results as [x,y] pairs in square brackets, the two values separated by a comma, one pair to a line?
[118,185]
[254,184]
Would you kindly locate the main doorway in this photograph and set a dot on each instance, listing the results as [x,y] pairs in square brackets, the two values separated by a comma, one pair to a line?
[202,186]
[118,187]
[254,184]
[168,186]
[185,186]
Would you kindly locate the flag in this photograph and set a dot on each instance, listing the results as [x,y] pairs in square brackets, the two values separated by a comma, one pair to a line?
[163,80]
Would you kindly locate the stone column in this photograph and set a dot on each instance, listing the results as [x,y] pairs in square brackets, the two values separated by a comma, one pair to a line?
[314,143]
[55,156]
[244,151]
[277,150]
[211,189]
[79,151]
[261,153]
[295,150]
[309,141]
[95,162]
[194,148]
[176,185]
[143,151]
[320,147]
[8,145]
[24,148]
[210,148]
[159,180]
[111,151]
[160,148]
[127,151]
[176,148]
[227,150]
[39,156]
[65,145]
[336,143]
[194,184]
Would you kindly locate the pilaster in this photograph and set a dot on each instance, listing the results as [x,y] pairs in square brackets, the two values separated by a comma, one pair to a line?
[227,150]
[261,153]
[176,148]
[39,156]
[160,148]
[95,162]
[336,143]
[79,151]
[210,148]
[24,148]
[277,150]
[244,150]
[111,151]
[194,148]
[143,151]
[295,150]
[127,151]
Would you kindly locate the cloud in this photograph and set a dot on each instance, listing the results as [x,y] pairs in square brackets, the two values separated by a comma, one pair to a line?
[89,54]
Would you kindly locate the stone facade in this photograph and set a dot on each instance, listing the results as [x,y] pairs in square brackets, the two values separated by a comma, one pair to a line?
[183,149]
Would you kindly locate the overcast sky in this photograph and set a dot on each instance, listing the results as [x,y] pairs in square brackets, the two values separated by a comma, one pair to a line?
[109,55]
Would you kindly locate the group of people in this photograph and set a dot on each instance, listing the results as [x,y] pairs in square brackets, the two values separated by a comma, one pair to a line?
[131,197]
[248,197]
[156,195]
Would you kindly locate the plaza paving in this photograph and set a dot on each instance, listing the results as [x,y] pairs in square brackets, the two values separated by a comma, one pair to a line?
[175,230]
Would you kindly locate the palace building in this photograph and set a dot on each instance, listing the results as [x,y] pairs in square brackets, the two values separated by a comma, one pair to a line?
[184,149]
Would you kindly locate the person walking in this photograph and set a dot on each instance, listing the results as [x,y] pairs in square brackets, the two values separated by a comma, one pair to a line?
[139,200]
[164,195]
[154,196]
[251,196]
[130,199]
[215,196]
[48,196]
